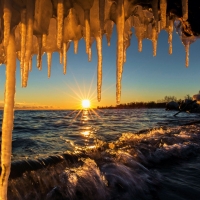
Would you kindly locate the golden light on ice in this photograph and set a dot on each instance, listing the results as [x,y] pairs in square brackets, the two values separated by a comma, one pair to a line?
[85,103]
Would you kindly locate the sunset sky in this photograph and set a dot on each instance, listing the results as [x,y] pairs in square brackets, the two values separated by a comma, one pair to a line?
[145,78]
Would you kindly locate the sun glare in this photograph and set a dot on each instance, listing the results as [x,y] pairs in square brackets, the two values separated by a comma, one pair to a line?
[85,103]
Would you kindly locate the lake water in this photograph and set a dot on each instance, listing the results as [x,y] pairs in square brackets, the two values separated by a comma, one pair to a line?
[105,154]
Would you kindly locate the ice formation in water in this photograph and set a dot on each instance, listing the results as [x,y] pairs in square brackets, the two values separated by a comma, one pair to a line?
[32,27]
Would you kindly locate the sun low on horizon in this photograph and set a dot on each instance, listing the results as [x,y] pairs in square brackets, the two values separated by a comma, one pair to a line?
[85,103]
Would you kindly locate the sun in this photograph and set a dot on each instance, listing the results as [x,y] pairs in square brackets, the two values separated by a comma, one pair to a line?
[85,103]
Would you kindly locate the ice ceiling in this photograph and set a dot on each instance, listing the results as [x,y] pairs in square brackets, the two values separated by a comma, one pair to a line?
[29,27]
[47,26]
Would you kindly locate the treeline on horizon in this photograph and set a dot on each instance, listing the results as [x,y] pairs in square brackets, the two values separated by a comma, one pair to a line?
[151,104]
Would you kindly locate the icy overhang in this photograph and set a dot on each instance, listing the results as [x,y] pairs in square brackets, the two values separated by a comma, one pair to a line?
[47,26]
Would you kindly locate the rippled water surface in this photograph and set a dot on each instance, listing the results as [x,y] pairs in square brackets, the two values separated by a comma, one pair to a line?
[109,154]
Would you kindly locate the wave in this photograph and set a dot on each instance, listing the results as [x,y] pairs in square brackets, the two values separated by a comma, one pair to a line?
[161,163]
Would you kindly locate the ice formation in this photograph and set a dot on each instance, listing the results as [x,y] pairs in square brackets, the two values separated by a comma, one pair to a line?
[46,26]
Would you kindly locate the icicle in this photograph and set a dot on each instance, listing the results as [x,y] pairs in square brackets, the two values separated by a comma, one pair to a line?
[155,11]
[23,44]
[30,64]
[101,15]
[49,57]
[44,40]
[120,46]
[64,58]
[90,54]
[163,10]
[61,56]
[75,46]
[39,56]
[185,9]
[60,15]
[154,40]
[99,67]
[8,116]
[87,29]
[19,55]
[124,55]
[187,48]
[108,29]
[171,28]
[159,28]
[140,44]
[7,21]
[29,40]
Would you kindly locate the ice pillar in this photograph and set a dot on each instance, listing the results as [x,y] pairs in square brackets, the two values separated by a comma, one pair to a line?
[8,116]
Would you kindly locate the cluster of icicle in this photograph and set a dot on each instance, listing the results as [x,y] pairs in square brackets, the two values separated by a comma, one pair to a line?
[37,26]
[47,26]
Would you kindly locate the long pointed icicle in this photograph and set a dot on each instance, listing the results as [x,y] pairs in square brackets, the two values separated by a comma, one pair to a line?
[23,44]
[61,56]
[60,15]
[101,14]
[49,57]
[140,44]
[109,28]
[8,117]
[39,56]
[44,40]
[29,40]
[163,12]
[87,29]
[90,54]
[155,12]
[7,21]
[64,58]
[30,64]
[120,47]
[75,46]
[187,48]
[171,28]
[124,55]
[99,67]
[185,9]
[154,40]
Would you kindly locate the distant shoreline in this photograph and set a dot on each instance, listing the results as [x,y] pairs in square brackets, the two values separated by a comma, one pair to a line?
[135,105]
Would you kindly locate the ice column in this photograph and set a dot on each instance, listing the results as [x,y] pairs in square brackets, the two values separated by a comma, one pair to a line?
[163,11]
[120,46]
[60,13]
[8,116]
[7,20]
[185,9]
